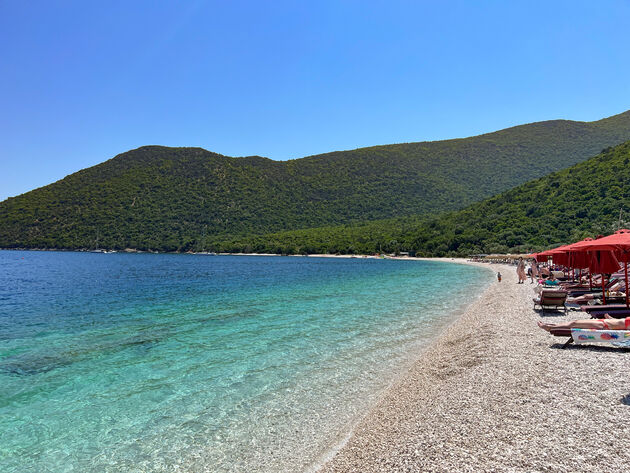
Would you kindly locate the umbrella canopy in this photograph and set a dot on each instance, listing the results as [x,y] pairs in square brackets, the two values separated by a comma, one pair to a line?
[579,258]
[601,255]
[604,262]
[541,257]
[563,255]
[544,255]
[618,242]
[561,258]
[617,245]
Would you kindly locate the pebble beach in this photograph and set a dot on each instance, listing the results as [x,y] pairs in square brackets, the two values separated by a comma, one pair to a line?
[496,393]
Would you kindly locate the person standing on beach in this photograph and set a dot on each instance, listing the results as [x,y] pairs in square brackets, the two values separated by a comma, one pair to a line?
[535,270]
[520,271]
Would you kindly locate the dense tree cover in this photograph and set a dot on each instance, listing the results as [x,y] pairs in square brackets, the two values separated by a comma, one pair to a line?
[179,199]
[588,199]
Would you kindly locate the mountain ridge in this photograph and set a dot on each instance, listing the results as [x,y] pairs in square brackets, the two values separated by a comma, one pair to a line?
[156,197]
[585,200]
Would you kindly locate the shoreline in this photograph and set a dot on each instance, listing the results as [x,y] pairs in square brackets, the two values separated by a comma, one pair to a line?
[209,253]
[493,392]
[329,455]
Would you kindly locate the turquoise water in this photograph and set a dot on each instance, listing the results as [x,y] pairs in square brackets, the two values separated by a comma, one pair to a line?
[141,362]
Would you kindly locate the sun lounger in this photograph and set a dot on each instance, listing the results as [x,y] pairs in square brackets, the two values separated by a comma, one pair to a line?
[615,314]
[553,299]
[618,338]
[594,304]
[610,308]
[579,288]
[596,289]
[583,292]
[559,275]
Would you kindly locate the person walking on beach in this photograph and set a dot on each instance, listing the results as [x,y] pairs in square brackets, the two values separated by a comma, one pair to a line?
[499,276]
[520,271]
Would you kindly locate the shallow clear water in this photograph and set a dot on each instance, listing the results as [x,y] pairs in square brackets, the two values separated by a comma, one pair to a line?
[141,362]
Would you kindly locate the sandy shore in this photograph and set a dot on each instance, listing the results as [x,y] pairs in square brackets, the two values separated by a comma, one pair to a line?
[496,393]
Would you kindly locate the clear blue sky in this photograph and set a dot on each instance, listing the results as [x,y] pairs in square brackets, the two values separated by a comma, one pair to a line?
[83,81]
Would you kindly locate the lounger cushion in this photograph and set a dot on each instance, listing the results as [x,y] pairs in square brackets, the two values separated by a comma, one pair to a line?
[614,337]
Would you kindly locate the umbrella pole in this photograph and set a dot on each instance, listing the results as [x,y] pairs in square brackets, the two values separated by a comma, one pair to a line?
[626,270]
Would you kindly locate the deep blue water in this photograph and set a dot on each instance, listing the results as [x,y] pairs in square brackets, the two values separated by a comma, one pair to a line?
[142,362]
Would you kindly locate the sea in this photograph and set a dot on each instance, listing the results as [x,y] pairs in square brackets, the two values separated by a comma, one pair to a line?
[177,362]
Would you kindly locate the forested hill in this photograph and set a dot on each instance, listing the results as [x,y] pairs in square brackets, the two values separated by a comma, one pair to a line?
[588,199]
[176,199]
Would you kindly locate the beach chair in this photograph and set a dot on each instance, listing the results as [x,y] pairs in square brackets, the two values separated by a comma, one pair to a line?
[560,276]
[596,289]
[617,338]
[615,314]
[610,308]
[553,299]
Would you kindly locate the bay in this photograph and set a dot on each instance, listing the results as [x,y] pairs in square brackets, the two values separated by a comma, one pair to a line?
[145,362]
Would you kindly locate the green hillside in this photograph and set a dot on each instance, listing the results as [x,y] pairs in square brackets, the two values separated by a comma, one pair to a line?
[175,199]
[588,199]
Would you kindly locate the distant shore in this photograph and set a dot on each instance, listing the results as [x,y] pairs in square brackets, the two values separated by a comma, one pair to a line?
[210,253]
[496,393]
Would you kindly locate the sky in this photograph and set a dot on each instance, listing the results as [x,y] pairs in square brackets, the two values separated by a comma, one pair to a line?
[81,82]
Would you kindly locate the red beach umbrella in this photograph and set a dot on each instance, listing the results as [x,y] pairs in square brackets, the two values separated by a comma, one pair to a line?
[604,262]
[619,243]
[561,258]
[579,258]
[562,255]
[541,257]
[584,254]
[544,255]
[559,249]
